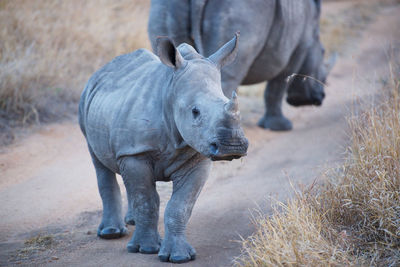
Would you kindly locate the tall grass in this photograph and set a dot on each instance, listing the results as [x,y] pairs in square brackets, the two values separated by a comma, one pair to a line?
[48,50]
[353,218]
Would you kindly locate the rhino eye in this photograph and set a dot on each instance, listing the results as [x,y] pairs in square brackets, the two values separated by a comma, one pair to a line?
[195,112]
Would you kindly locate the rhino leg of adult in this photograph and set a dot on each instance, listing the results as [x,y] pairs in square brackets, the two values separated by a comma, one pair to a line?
[186,189]
[273,118]
[112,225]
[275,91]
[141,189]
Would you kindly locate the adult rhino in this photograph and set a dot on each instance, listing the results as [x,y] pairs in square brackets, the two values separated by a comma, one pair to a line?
[158,119]
[279,38]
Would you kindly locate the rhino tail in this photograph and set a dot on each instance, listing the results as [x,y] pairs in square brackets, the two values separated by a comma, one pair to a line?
[197,15]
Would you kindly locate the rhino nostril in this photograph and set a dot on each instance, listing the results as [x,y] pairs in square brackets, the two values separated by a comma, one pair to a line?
[214,148]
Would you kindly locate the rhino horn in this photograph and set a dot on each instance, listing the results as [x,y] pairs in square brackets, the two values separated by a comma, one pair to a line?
[330,62]
[227,53]
[233,105]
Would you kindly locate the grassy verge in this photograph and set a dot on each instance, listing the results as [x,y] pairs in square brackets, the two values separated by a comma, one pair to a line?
[353,218]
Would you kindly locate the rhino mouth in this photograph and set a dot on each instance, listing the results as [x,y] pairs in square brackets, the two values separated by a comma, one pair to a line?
[297,102]
[226,158]
[219,152]
[315,99]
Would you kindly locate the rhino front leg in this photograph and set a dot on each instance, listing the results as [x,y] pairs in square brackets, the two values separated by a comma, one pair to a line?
[186,189]
[144,204]
[273,118]
[112,225]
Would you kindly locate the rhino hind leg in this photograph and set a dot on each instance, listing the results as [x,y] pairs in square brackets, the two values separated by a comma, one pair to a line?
[144,202]
[274,118]
[112,226]
[129,219]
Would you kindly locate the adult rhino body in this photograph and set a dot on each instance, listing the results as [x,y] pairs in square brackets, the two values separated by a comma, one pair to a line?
[152,120]
[279,38]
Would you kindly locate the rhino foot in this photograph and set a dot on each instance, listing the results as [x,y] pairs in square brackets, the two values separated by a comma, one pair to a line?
[177,250]
[275,123]
[129,219]
[111,232]
[146,243]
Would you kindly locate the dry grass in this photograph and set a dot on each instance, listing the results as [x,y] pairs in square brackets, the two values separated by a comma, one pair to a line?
[295,235]
[353,218]
[49,49]
[33,245]
[363,198]
[39,241]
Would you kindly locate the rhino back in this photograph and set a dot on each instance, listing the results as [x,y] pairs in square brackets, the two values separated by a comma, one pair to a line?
[222,19]
[286,34]
[121,105]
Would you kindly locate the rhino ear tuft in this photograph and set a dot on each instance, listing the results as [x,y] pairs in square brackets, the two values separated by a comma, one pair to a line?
[168,53]
[227,53]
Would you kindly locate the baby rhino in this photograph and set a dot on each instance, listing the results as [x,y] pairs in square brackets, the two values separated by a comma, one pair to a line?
[152,119]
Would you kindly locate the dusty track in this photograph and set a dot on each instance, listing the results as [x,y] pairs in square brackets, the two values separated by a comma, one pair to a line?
[48,185]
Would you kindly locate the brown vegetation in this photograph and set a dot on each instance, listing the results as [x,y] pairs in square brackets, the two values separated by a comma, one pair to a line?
[353,218]
[34,245]
[50,48]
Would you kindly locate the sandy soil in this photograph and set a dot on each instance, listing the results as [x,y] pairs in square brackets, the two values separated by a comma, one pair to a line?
[48,185]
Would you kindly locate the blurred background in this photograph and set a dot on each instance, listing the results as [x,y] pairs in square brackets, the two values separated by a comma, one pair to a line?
[49,49]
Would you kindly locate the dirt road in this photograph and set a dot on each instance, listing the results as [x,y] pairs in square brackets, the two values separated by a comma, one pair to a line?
[48,185]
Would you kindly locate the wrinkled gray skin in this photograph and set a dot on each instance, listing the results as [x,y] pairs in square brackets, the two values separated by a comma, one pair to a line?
[279,38]
[158,119]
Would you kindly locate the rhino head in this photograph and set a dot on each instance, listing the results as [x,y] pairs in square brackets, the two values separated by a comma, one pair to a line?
[307,86]
[203,117]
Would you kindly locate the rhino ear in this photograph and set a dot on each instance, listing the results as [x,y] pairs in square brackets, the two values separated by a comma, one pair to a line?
[227,53]
[168,53]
